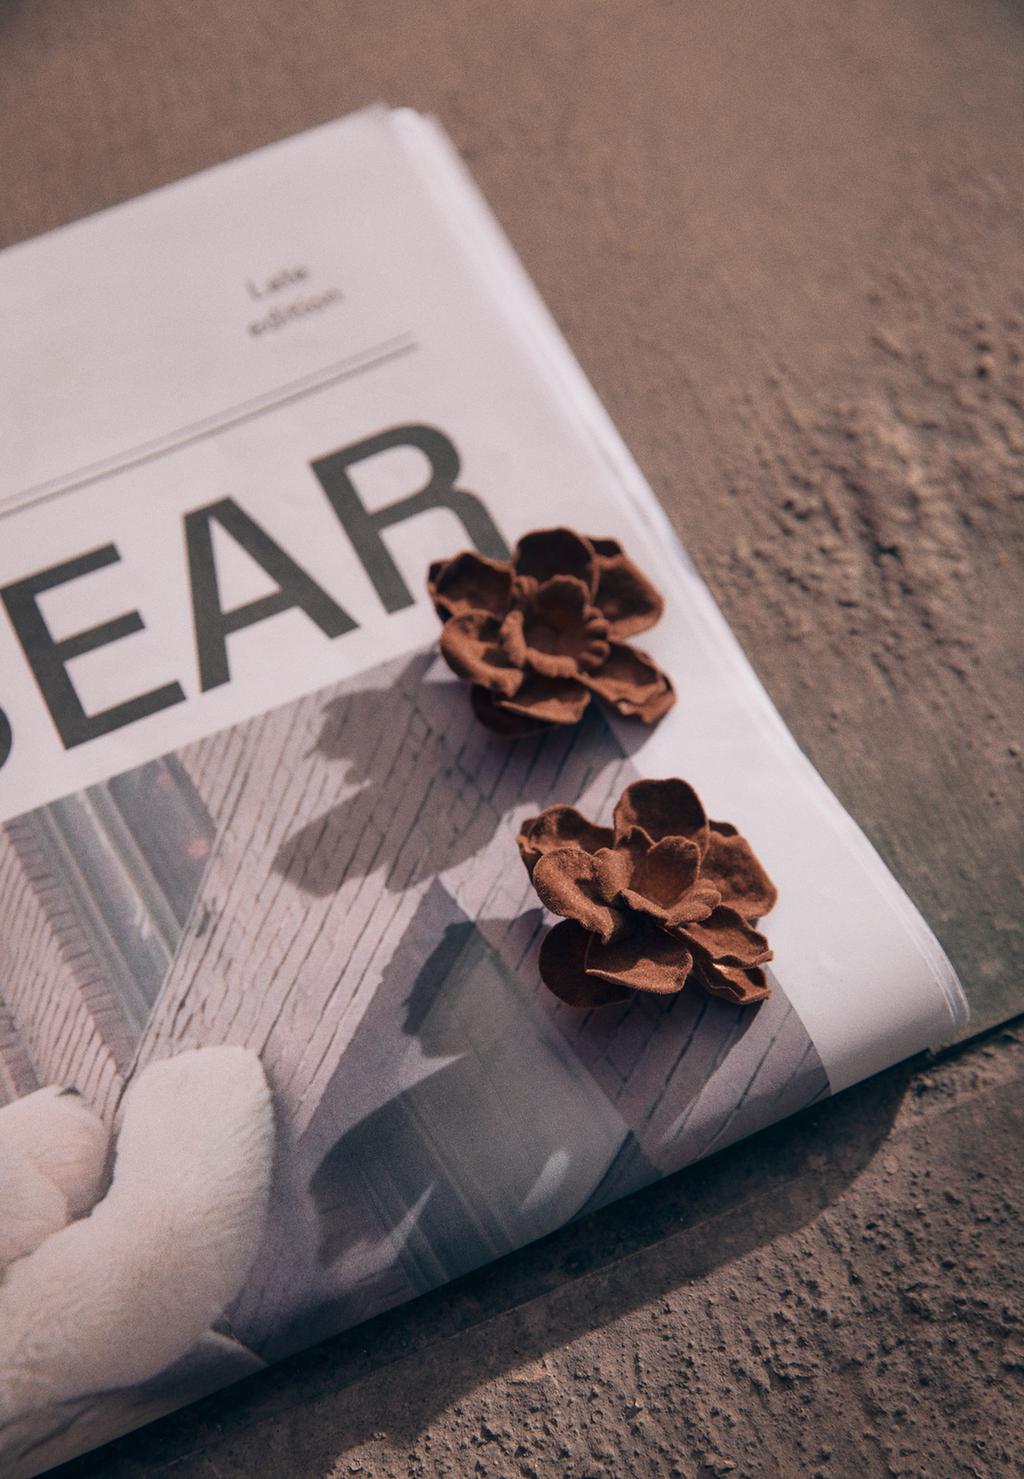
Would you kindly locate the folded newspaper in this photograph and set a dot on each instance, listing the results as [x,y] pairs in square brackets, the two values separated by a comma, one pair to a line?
[275,1050]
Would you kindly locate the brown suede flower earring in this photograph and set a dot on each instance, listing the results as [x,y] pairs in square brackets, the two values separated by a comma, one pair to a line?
[537,637]
[660,895]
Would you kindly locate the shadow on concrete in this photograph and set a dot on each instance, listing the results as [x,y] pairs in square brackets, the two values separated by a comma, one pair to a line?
[391,1376]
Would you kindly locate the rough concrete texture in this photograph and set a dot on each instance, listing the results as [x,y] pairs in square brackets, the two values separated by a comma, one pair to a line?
[784,239]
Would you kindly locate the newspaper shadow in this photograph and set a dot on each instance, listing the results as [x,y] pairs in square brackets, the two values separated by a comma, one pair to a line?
[427,787]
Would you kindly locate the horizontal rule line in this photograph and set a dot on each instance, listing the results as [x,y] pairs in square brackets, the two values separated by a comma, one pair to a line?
[296,390]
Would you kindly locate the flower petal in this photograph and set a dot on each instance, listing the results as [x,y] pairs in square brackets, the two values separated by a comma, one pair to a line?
[742,988]
[492,714]
[731,866]
[697,903]
[562,956]
[547,552]
[647,959]
[569,882]
[608,549]
[470,647]
[664,872]
[513,637]
[557,631]
[549,700]
[614,868]
[559,826]
[669,808]
[728,938]
[632,683]
[624,594]
[469,582]
[633,843]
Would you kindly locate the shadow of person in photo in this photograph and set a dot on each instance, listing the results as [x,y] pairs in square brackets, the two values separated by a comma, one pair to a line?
[434,786]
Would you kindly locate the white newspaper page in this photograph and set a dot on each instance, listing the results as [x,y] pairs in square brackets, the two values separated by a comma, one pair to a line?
[247,809]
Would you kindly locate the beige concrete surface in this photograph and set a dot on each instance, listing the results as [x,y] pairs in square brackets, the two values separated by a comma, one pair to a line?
[784,239]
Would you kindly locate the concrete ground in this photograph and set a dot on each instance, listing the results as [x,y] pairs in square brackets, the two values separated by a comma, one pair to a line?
[784,239]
